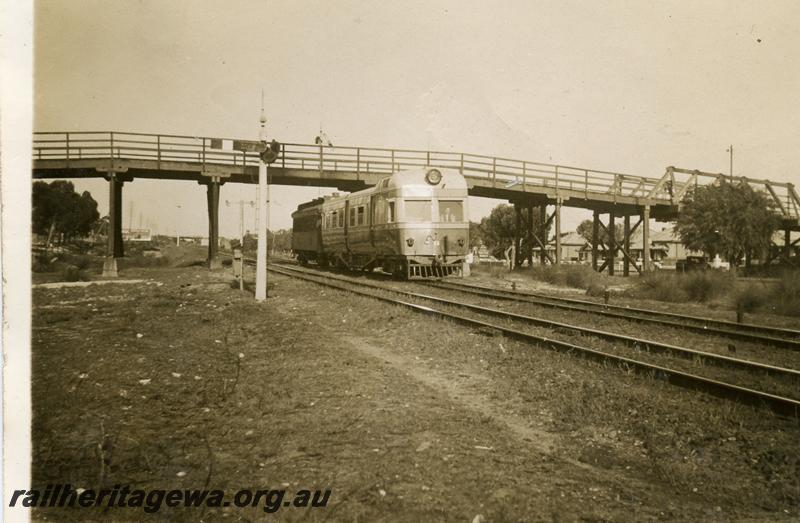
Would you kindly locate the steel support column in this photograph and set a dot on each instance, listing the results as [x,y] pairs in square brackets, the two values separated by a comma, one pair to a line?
[212,195]
[787,244]
[543,233]
[558,232]
[517,235]
[626,245]
[595,234]
[646,238]
[529,237]
[114,222]
[612,243]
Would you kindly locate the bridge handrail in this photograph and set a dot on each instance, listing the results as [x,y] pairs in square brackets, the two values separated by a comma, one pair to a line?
[668,189]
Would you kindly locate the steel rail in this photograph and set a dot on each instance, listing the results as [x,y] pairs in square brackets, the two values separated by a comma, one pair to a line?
[778,404]
[780,331]
[616,311]
[640,343]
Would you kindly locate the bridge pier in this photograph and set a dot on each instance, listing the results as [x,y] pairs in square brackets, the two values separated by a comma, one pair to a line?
[619,245]
[114,245]
[529,237]
[626,244]
[646,238]
[543,233]
[612,243]
[212,197]
[787,244]
[595,238]
[558,231]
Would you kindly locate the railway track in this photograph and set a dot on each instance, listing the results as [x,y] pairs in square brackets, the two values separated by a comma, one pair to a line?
[780,404]
[773,336]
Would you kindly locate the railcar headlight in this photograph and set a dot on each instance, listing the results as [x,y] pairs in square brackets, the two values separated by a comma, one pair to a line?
[428,240]
[434,176]
[410,242]
[461,242]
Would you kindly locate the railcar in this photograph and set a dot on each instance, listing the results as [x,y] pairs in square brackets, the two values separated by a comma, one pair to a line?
[412,224]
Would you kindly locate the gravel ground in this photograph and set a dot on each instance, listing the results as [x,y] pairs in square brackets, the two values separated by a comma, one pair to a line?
[186,382]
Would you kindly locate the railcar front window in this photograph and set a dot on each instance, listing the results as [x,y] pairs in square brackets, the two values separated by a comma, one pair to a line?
[451,211]
[418,211]
[390,213]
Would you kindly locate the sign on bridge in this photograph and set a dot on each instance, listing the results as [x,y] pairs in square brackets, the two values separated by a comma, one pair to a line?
[249,146]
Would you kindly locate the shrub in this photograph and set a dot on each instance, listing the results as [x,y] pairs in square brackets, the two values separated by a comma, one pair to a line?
[785,296]
[144,261]
[700,286]
[42,263]
[595,290]
[660,286]
[581,276]
[749,298]
[73,273]
[576,276]
[703,286]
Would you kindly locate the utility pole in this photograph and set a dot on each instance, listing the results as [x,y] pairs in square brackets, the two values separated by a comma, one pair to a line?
[261,255]
[730,150]
[241,203]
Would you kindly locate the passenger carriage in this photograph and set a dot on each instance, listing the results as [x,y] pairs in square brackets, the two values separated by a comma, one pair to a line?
[412,224]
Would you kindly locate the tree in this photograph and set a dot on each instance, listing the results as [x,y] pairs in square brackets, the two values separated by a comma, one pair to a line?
[475,234]
[729,219]
[498,229]
[57,208]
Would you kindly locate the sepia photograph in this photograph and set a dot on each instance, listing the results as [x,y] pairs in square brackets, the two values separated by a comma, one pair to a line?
[446,261]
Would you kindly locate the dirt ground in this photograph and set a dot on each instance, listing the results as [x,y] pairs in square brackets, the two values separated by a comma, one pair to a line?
[182,381]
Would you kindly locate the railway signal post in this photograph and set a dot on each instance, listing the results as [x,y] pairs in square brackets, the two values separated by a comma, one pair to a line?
[261,254]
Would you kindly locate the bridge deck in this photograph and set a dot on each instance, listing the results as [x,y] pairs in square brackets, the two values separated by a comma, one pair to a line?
[93,154]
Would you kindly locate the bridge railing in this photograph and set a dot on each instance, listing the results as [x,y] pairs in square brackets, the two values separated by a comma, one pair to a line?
[500,172]
[677,182]
[74,146]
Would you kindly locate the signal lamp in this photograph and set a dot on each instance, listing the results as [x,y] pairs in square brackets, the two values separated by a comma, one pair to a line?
[434,176]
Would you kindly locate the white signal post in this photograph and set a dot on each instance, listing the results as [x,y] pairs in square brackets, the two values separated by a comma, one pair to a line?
[263,226]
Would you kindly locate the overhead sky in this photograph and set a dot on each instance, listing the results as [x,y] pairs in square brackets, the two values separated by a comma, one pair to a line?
[618,85]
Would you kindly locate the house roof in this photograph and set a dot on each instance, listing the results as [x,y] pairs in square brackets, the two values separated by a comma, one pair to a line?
[572,238]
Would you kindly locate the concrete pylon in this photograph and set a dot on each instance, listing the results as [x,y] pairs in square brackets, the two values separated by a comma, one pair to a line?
[212,195]
[114,248]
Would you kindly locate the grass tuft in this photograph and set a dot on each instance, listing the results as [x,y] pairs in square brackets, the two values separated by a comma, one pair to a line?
[785,297]
[575,276]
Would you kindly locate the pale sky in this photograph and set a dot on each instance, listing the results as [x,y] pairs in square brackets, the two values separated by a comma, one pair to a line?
[624,86]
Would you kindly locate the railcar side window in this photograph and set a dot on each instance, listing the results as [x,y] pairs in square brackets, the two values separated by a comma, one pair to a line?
[361,215]
[418,211]
[451,211]
[390,213]
[341,219]
[352,216]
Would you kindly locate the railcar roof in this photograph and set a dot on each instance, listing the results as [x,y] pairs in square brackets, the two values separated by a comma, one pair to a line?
[451,179]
